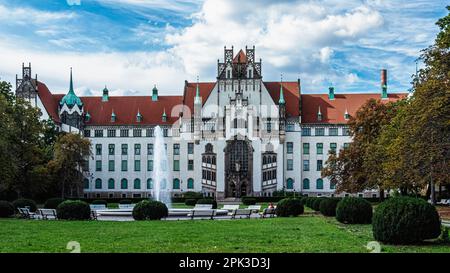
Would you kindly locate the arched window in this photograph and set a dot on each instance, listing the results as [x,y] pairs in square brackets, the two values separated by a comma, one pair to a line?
[269,160]
[208,160]
[98,183]
[86,183]
[137,184]
[290,184]
[149,184]
[209,148]
[264,160]
[190,183]
[176,184]
[274,159]
[124,184]
[213,161]
[306,184]
[319,184]
[111,184]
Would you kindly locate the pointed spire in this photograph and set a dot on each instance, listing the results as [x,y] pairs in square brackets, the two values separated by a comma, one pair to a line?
[71,82]
[197,99]
[319,115]
[87,116]
[281,100]
[138,116]
[164,116]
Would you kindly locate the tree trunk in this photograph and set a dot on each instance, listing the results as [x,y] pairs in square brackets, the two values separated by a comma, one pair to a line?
[381,195]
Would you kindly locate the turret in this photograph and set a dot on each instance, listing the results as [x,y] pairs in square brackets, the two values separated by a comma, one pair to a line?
[155,93]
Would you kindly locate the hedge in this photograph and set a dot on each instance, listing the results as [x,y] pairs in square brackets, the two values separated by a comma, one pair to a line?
[6,209]
[22,203]
[289,207]
[208,201]
[53,203]
[328,206]
[73,210]
[354,210]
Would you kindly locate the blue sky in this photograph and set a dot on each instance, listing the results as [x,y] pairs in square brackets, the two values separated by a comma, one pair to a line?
[130,45]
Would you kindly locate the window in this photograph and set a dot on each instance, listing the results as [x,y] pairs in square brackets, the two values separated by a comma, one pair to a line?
[190,148]
[137,132]
[137,184]
[290,164]
[111,184]
[305,165]
[320,132]
[333,146]
[87,133]
[346,145]
[165,132]
[150,165]
[149,184]
[137,149]
[123,132]
[290,184]
[98,133]
[306,148]
[306,184]
[319,148]
[319,184]
[269,125]
[190,183]
[290,147]
[124,165]
[137,165]
[306,131]
[228,74]
[85,165]
[124,149]
[290,127]
[111,165]
[190,165]
[333,131]
[86,183]
[124,184]
[332,185]
[111,148]
[176,165]
[319,165]
[149,132]
[98,165]
[345,131]
[98,149]
[111,133]
[98,183]
[176,184]
[176,149]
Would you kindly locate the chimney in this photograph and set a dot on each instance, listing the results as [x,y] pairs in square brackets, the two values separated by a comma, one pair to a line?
[331,93]
[384,84]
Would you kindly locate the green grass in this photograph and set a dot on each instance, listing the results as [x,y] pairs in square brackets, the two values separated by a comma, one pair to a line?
[307,233]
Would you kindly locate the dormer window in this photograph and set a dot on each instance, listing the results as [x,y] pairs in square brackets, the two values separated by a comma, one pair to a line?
[113,117]
[164,116]
[87,117]
[319,115]
[346,115]
[138,117]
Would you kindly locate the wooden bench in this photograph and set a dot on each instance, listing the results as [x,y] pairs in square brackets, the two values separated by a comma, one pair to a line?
[254,208]
[241,213]
[207,213]
[47,214]
[26,214]
[268,212]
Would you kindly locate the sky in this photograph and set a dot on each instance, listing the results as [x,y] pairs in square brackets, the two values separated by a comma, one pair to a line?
[131,45]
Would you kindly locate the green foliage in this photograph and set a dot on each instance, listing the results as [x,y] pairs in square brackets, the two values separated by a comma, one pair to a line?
[6,209]
[53,203]
[99,202]
[315,203]
[73,210]
[328,206]
[208,201]
[22,203]
[289,207]
[190,202]
[246,200]
[193,195]
[354,210]
[405,220]
[150,210]
[125,201]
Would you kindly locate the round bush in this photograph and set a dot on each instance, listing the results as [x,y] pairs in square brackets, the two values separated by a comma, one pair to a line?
[150,210]
[99,202]
[190,202]
[328,206]
[125,201]
[289,207]
[248,201]
[208,201]
[73,210]
[405,220]
[53,203]
[316,203]
[354,210]
[23,203]
[6,209]
[310,201]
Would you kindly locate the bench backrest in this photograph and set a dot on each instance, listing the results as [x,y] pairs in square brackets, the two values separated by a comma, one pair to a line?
[46,212]
[269,211]
[126,206]
[242,211]
[203,212]
[97,207]
[254,207]
[230,207]
[203,206]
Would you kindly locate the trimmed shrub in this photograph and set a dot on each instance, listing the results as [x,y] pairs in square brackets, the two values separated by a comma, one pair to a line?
[6,209]
[315,203]
[190,202]
[73,210]
[328,206]
[405,220]
[193,195]
[208,201]
[310,201]
[53,203]
[23,203]
[289,207]
[125,201]
[248,201]
[99,202]
[150,210]
[354,210]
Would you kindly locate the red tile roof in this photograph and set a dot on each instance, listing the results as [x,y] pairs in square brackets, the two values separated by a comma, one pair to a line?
[290,92]
[49,101]
[240,57]
[190,90]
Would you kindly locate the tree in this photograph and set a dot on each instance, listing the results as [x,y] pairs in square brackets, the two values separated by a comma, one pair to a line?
[70,153]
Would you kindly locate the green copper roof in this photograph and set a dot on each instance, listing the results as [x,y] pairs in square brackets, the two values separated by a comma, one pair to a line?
[70,99]
[164,114]
[281,100]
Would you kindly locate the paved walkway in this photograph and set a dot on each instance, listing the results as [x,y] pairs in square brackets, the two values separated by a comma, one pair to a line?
[130,218]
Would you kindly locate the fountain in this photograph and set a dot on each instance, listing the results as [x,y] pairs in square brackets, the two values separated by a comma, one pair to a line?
[161,174]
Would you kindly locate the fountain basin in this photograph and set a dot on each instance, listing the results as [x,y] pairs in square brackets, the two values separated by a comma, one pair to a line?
[172,212]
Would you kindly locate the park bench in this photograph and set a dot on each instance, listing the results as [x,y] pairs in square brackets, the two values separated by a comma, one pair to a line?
[254,208]
[26,213]
[126,206]
[230,207]
[268,212]
[246,213]
[203,206]
[202,213]
[47,214]
[97,207]
[444,202]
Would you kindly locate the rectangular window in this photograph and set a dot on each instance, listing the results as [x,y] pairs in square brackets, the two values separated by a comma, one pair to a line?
[306,131]
[346,131]
[98,149]
[149,165]
[87,133]
[269,126]
[137,132]
[149,132]
[290,147]
[306,165]
[290,164]
[346,145]
[290,128]
[176,149]
[333,146]
[190,148]
[149,149]
[111,149]
[176,165]
[333,131]
[319,148]
[319,165]
[124,149]
[124,165]
[320,131]
[137,149]
[165,132]
[111,133]
[190,165]
[306,148]
[124,132]
[98,165]
[98,133]
[111,165]
[137,165]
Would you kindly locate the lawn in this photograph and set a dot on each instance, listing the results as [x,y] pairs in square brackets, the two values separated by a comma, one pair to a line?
[307,233]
